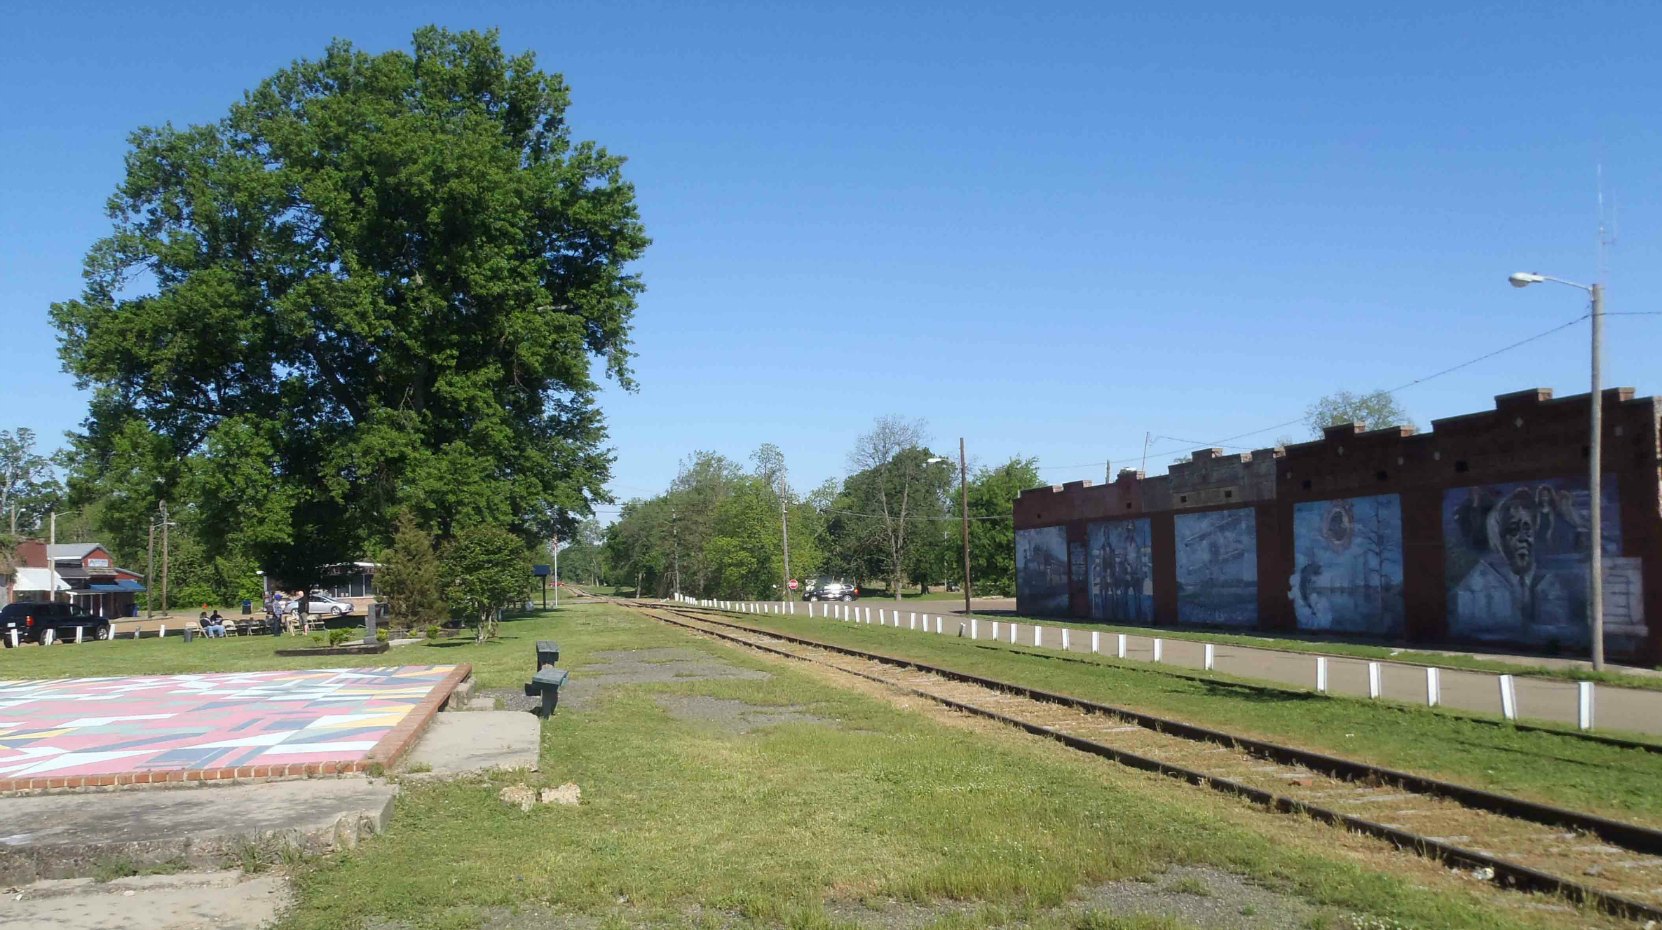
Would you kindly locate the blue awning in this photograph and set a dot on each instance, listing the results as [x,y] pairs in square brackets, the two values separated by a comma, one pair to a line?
[119,587]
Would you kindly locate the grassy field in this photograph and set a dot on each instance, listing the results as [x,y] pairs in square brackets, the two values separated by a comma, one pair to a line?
[1362,651]
[1546,766]
[873,816]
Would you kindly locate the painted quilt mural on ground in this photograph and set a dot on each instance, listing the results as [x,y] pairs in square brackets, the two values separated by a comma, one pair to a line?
[102,726]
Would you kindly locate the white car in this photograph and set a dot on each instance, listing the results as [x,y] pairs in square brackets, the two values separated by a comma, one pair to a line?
[322,605]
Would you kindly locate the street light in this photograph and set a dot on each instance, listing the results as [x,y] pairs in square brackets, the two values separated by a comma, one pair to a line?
[1595,562]
[963,501]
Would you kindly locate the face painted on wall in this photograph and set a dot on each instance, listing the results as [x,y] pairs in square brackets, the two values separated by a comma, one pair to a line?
[1516,522]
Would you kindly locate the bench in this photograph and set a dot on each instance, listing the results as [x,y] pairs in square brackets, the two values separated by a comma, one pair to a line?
[546,684]
[548,653]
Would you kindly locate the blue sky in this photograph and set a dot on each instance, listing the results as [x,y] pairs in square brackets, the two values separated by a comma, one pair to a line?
[1050,228]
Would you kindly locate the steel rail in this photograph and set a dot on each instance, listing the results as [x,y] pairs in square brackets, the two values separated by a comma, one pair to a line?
[1506,872]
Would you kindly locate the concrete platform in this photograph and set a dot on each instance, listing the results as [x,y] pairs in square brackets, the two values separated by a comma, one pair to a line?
[226,900]
[466,742]
[71,835]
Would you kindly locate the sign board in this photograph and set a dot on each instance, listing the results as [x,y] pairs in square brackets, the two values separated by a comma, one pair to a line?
[794,584]
[98,563]
[540,571]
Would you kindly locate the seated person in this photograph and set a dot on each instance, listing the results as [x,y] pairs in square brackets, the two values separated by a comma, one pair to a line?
[214,625]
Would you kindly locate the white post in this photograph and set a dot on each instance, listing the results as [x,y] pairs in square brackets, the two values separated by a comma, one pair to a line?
[1038,635]
[912,620]
[1584,713]
[1373,681]
[1120,651]
[974,629]
[1012,634]
[882,620]
[1064,639]
[1508,698]
[995,631]
[13,631]
[938,622]
[1096,642]
[48,636]
[1433,686]
[793,608]
[1211,657]
[1321,674]
[162,631]
[1159,645]
[77,636]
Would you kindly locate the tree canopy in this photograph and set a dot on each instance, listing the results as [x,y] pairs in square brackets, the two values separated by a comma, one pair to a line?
[1374,410]
[29,486]
[378,283]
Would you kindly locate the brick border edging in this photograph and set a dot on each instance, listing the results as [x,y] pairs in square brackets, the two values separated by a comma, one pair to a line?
[384,753]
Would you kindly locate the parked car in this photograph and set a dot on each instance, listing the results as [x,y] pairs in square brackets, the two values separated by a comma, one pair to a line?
[826,589]
[32,619]
[322,605]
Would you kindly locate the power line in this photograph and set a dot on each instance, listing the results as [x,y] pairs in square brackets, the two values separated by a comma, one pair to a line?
[1224,442]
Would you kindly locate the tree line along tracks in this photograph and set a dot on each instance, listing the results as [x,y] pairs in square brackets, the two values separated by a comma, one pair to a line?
[1610,865]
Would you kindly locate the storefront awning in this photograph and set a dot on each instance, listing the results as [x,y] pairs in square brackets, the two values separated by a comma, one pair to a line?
[39,579]
[117,588]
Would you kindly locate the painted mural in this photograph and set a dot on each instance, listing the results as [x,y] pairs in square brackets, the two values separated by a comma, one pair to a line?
[1217,568]
[1042,570]
[1516,559]
[1347,565]
[1121,570]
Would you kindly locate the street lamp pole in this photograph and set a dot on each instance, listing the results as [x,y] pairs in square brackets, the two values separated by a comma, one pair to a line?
[1595,444]
[963,501]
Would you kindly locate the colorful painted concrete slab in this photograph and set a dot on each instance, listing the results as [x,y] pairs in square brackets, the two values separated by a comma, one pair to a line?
[164,728]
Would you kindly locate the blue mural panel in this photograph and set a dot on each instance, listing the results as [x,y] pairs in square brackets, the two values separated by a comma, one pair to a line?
[1217,568]
[1042,570]
[1120,561]
[1516,558]
[1347,565]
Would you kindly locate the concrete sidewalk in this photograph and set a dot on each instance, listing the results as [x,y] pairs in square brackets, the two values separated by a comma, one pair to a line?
[1544,699]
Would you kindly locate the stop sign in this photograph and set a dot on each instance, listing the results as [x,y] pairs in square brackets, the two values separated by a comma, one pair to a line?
[793,584]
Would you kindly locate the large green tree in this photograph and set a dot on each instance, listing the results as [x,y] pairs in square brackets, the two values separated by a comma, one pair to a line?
[1373,410]
[29,485]
[895,500]
[377,283]
[992,498]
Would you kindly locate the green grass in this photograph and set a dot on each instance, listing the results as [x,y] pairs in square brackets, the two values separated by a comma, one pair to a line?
[1402,655]
[686,825]
[1546,766]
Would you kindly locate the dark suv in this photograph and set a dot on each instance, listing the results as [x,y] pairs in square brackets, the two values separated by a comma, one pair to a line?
[32,620]
[826,589]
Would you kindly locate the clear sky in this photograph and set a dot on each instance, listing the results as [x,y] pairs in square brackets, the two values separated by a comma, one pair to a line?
[1049,228]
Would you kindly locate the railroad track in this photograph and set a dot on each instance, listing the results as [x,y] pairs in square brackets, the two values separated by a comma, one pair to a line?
[1610,865]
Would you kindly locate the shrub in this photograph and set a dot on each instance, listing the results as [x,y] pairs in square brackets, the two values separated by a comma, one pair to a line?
[336,637]
[409,576]
[485,569]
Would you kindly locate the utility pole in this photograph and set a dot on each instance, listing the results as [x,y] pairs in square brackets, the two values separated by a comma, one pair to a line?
[785,539]
[556,571]
[963,499]
[165,524]
[675,531]
[52,535]
[150,575]
[1595,580]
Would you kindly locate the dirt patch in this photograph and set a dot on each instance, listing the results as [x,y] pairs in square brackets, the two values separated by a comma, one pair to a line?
[511,699]
[645,667]
[734,716]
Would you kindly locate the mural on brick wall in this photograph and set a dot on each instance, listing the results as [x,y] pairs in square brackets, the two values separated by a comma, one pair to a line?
[1347,565]
[1042,570]
[1516,557]
[1121,571]
[1217,568]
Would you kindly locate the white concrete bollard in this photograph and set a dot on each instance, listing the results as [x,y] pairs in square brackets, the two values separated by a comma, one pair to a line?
[912,620]
[1012,634]
[1096,642]
[1121,646]
[13,632]
[1433,686]
[881,621]
[1321,674]
[162,631]
[77,636]
[48,636]
[1038,635]
[1211,657]
[1508,698]
[938,625]
[995,631]
[1584,704]
[1065,643]
[1159,648]
[1374,688]
[974,629]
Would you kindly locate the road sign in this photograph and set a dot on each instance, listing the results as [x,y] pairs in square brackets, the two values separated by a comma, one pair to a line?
[539,571]
[794,584]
